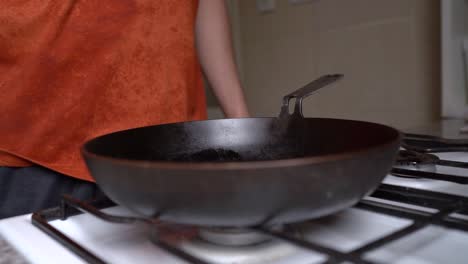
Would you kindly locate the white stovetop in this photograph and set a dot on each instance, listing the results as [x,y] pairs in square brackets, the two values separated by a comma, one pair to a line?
[345,231]
[129,243]
[121,243]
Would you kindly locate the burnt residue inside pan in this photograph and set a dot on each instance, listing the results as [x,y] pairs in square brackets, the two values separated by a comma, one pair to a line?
[209,155]
[229,155]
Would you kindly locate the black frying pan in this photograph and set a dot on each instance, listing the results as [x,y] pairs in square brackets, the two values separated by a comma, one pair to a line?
[247,171]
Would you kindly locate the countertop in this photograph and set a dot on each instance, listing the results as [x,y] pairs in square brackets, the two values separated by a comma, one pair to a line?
[456,129]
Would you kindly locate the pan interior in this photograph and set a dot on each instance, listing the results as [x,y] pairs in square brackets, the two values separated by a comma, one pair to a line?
[248,139]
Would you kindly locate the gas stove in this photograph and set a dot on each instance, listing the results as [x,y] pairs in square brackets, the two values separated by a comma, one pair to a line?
[419,214]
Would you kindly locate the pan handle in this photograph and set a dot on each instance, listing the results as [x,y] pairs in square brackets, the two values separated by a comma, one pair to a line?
[305,91]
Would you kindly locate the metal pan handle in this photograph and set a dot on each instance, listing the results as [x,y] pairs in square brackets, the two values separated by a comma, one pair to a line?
[305,91]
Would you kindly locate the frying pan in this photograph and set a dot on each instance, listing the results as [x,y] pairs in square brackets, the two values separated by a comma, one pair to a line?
[246,171]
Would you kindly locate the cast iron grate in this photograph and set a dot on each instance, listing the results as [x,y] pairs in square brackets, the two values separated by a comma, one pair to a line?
[445,206]
[444,203]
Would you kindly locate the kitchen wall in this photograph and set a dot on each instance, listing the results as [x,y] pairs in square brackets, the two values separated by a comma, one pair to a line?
[388,51]
[454,27]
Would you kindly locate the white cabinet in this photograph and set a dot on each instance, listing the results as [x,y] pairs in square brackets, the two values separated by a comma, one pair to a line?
[454,69]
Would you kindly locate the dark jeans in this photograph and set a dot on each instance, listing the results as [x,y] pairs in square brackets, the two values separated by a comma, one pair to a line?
[30,189]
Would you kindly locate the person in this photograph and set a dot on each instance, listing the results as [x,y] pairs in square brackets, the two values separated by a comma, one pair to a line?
[73,70]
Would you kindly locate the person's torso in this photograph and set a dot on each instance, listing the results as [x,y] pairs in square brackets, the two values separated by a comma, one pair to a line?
[72,70]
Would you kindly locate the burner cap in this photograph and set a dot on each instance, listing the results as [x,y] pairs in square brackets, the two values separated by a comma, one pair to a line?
[412,160]
[232,236]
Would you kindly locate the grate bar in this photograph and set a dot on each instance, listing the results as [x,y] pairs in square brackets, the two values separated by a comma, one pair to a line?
[451,163]
[393,210]
[70,206]
[334,255]
[454,223]
[418,197]
[41,221]
[446,204]
[436,218]
[68,201]
[429,175]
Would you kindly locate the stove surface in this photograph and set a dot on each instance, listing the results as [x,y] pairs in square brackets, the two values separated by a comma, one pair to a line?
[434,185]
[346,231]
[380,230]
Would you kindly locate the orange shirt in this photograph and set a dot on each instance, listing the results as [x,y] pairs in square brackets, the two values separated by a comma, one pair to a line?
[71,70]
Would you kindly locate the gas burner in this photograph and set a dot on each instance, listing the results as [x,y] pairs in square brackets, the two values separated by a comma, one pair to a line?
[232,236]
[412,160]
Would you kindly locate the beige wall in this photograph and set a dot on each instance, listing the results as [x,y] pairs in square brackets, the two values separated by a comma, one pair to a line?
[387,49]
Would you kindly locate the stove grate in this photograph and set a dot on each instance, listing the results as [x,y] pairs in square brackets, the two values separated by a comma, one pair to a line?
[445,205]
[403,202]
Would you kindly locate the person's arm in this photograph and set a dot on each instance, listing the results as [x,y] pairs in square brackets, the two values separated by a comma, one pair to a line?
[214,46]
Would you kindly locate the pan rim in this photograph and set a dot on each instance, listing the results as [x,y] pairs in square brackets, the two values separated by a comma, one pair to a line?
[240,165]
